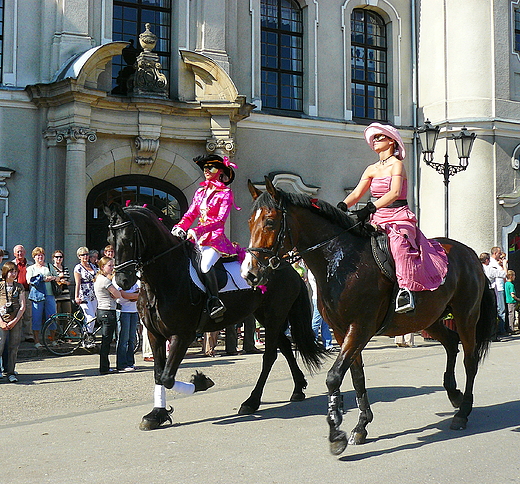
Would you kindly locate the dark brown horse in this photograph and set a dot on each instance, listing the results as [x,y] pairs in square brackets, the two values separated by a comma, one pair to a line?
[172,307]
[355,297]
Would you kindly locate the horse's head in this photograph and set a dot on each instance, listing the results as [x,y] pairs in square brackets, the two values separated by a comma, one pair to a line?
[269,230]
[123,237]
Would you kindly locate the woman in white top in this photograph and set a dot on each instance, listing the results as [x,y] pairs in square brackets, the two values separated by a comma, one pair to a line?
[106,295]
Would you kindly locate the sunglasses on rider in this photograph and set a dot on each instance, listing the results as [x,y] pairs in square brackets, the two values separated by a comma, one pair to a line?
[211,168]
[380,137]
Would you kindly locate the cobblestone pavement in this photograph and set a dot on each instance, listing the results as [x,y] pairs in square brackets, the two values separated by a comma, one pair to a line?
[63,423]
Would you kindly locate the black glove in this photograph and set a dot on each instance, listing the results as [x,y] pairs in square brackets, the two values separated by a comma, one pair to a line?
[342,206]
[365,212]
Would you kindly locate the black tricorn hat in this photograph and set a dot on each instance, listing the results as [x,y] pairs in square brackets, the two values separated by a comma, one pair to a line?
[223,163]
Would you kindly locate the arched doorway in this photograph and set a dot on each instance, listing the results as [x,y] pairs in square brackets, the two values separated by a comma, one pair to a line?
[166,200]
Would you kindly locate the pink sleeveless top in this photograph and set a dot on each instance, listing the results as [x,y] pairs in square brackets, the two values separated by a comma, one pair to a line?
[420,264]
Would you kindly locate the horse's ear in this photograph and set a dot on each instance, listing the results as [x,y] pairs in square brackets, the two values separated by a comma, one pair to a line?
[271,188]
[106,209]
[255,192]
[113,209]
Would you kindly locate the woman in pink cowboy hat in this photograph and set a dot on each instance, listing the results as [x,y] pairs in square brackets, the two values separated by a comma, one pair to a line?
[420,264]
[211,203]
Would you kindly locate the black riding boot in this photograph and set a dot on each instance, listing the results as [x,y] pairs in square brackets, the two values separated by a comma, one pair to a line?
[215,306]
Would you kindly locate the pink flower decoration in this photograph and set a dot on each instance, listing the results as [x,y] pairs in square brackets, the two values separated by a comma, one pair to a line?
[229,163]
[127,204]
[145,205]
[263,289]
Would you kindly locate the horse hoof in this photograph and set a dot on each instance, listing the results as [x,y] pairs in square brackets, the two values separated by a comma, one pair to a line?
[168,382]
[246,410]
[458,423]
[339,444]
[297,397]
[358,438]
[201,381]
[156,418]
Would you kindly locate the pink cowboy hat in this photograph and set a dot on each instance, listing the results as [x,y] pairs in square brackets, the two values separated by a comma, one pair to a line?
[387,130]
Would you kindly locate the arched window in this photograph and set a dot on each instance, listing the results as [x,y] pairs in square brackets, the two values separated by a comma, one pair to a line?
[166,200]
[282,55]
[368,65]
[129,19]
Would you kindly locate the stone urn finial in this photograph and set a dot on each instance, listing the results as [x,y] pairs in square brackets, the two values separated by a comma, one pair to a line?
[147,39]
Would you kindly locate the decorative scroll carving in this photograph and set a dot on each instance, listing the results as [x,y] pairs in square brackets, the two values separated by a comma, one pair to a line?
[74,133]
[148,79]
[146,150]
[227,145]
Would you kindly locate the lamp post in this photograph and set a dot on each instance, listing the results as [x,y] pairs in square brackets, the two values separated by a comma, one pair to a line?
[428,135]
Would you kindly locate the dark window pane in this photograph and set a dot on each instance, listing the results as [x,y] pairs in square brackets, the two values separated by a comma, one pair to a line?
[282,54]
[368,65]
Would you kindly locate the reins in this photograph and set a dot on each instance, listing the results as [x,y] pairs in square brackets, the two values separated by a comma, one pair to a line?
[275,259]
[139,246]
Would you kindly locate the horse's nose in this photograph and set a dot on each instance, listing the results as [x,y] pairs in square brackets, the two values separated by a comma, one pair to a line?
[251,279]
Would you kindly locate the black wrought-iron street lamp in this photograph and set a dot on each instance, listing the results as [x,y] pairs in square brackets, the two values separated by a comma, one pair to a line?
[428,135]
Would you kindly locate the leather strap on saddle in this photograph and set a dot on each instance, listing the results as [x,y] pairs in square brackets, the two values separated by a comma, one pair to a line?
[382,254]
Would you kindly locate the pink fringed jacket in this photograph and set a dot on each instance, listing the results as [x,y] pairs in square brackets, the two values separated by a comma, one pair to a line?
[210,229]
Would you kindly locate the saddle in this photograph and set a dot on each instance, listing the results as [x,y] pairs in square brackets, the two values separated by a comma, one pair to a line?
[227,270]
[382,254]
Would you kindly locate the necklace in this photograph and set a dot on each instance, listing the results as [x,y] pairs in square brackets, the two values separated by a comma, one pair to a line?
[382,162]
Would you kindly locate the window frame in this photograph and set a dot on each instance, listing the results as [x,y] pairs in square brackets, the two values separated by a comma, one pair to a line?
[380,113]
[278,70]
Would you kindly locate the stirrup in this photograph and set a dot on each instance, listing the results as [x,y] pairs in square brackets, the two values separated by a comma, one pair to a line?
[404,301]
[216,308]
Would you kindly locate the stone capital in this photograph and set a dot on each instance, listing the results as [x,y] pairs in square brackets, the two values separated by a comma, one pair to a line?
[226,146]
[72,134]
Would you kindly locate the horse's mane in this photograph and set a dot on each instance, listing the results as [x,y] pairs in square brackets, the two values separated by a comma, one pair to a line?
[149,214]
[319,207]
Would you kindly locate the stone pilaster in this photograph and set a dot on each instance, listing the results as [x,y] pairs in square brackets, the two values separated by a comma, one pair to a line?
[75,225]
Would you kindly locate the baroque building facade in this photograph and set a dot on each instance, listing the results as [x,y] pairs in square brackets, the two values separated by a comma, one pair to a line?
[109,101]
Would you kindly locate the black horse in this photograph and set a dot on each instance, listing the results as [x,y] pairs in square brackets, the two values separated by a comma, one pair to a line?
[355,297]
[172,307]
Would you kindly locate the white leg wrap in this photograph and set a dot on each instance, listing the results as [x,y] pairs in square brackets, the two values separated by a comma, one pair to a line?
[183,387]
[159,396]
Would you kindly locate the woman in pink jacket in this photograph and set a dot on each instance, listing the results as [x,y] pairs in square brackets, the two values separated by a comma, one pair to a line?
[211,204]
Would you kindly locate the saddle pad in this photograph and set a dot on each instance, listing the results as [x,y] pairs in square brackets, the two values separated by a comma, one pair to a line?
[234,280]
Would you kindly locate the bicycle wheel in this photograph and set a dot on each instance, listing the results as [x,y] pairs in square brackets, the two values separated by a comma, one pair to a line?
[62,334]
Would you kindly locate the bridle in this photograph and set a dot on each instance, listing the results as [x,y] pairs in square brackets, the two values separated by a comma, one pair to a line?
[139,246]
[275,259]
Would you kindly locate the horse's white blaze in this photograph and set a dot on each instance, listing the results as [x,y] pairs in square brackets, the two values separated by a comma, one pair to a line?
[246,264]
[257,214]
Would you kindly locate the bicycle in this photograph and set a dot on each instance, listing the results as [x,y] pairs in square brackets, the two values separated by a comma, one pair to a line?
[63,333]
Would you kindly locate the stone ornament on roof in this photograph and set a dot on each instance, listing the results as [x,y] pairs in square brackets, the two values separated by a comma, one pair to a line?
[148,80]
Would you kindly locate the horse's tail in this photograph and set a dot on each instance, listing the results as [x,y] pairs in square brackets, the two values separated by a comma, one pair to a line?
[486,325]
[300,319]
